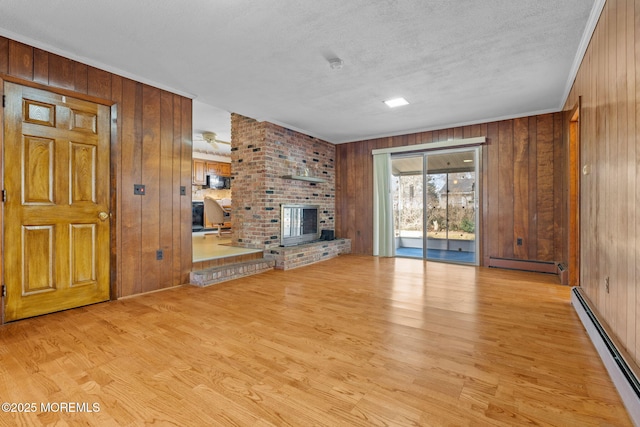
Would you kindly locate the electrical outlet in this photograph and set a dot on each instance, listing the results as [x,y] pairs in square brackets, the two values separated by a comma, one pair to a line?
[138,190]
[159,254]
[183,190]
[519,241]
[606,284]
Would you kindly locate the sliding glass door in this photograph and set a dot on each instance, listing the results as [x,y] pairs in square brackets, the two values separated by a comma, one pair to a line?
[435,205]
[407,185]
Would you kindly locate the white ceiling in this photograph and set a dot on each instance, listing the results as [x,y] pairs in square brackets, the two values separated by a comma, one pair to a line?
[456,61]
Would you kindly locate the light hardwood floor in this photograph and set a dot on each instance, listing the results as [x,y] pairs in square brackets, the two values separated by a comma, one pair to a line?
[207,246]
[353,341]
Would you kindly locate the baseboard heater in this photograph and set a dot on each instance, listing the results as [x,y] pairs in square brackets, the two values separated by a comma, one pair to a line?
[621,369]
[524,265]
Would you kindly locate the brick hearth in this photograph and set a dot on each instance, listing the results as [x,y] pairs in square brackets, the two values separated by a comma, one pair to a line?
[309,253]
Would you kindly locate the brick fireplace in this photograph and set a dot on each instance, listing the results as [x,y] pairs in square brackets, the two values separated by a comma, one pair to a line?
[262,153]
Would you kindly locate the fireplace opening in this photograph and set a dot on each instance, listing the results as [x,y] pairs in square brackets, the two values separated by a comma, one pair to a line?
[299,224]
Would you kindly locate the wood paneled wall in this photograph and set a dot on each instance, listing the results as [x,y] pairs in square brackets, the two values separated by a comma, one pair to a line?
[522,187]
[608,84]
[151,145]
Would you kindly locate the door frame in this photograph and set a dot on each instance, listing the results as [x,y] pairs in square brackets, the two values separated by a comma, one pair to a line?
[113,187]
[478,199]
[573,208]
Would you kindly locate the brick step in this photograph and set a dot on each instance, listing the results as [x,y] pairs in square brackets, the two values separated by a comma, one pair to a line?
[222,273]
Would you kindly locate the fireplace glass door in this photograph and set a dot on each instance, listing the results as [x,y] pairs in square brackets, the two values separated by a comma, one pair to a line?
[299,224]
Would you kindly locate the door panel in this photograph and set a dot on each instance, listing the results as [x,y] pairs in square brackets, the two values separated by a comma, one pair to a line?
[38,165]
[83,254]
[435,205]
[83,173]
[37,253]
[56,223]
[408,205]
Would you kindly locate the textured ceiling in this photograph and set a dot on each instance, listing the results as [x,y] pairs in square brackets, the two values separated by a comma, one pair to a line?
[456,61]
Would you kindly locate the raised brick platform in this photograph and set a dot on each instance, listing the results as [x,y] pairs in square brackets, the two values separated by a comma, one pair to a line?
[222,273]
[296,256]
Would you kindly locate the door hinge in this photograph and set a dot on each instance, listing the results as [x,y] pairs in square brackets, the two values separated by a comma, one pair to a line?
[4,291]
[4,101]
[4,195]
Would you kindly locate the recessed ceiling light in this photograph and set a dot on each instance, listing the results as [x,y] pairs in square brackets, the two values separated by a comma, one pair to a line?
[396,102]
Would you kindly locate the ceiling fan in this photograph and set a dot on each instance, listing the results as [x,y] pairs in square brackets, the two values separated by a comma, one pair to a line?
[210,137]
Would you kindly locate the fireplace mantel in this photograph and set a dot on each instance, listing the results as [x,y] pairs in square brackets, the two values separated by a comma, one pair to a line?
[304,178]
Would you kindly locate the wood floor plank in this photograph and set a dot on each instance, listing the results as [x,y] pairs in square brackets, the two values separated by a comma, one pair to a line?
[355,341]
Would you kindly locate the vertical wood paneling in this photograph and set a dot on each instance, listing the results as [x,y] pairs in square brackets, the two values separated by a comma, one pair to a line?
[366,216]
[185,180]
[618,129]
[4,55]
[588,125]
[633,173]
[169,193]
[151,178]
[20,60]
[560,191]
[521,187]
[544,187]
[610,112]
[599,166]
[489,229]
[131,217]
[532,243]
[354,177]
[635,131]
[482,195]
[61,72]
[80,78]
[426,138]
[608,84]
[99,83]
[505,187]
[40,66]
[176,174]
[340,176]
[115,92]
[620,173]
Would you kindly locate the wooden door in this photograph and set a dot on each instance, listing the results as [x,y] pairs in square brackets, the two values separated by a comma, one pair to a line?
[56,222]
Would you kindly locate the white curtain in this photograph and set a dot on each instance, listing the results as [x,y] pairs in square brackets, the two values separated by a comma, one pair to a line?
[383,244]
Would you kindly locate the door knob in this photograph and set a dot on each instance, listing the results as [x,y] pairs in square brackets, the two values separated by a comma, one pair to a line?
[103,216]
